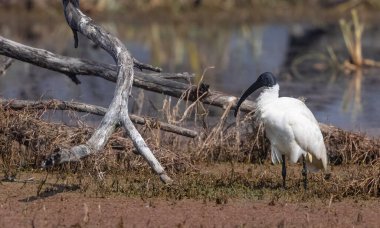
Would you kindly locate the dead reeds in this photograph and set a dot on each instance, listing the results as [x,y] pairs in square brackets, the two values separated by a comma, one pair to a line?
[352,32]
[228,160]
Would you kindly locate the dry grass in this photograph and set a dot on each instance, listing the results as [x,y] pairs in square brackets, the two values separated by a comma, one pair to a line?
[351,148]
[352,31]
[222,181]
[223,163]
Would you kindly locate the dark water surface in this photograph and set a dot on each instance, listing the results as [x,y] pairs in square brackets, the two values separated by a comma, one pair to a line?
[239,53]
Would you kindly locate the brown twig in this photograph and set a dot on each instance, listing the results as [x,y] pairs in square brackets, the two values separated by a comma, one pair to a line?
[144,66]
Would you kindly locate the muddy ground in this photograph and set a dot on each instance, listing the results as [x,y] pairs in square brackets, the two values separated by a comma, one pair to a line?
[67,206]
[72,209]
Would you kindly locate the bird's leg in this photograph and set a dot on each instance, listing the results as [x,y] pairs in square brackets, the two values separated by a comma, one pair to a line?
[283,171]
[304,172]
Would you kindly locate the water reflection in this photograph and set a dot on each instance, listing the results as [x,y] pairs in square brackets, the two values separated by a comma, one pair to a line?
[352,101]
[239,54]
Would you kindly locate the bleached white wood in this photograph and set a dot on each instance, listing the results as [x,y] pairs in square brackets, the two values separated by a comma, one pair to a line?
[118,109]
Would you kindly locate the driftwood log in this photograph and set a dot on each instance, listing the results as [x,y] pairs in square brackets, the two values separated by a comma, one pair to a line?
[153,82]
[93,109]
[117,113]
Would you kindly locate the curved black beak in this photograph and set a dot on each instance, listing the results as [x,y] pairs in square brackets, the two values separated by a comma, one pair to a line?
[248,92]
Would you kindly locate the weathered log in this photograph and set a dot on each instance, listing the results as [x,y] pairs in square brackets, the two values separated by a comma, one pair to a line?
[96,110]
[117,112]
[153,82]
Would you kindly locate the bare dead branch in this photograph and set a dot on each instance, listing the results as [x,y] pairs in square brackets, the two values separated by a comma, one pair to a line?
[145,66]
[96,110]
[5,63]
[117,112]
[154,82]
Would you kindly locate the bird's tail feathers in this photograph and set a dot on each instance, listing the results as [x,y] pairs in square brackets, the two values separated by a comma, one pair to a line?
[315,164]
[276,156]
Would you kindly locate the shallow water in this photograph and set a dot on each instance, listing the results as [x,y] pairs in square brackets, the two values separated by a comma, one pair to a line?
[239,53]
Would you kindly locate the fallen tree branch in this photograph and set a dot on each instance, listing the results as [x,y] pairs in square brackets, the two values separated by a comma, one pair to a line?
[143,66]
[5,63]
[93,109]
[117,112]
[154,82]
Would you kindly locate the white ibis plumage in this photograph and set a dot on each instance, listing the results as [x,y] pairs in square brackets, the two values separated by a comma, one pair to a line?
[289,125]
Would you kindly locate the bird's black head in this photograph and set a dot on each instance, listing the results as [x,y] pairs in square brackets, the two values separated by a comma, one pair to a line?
[266,79]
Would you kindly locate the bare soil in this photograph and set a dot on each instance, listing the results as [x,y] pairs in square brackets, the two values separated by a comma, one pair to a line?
[20,207]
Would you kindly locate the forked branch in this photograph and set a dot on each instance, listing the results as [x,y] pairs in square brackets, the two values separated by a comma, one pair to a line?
[117,112]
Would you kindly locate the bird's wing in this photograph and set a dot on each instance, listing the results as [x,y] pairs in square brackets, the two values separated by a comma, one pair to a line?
[296,105]
[307,135]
